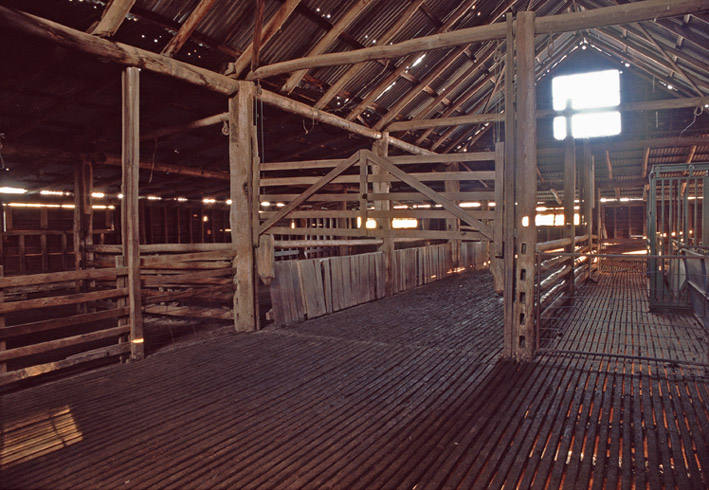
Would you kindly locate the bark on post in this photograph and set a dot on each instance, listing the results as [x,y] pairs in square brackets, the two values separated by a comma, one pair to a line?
[525,341]
[569,198]
[381,148]
[129,205]
[242,193]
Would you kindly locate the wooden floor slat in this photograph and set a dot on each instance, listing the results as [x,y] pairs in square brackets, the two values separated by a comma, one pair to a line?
[404,392]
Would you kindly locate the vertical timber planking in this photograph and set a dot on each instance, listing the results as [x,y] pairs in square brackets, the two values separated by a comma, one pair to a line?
[525,340]
[129,205]
[241,160]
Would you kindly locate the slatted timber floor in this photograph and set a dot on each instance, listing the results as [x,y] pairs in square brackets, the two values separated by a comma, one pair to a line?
[404,392]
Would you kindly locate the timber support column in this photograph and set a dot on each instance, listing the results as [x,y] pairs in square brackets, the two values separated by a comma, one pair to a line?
[569,199]
[381,148]
[241,215]
[130,160]
[509,230]
[453,224]
[525,332]
[589,195]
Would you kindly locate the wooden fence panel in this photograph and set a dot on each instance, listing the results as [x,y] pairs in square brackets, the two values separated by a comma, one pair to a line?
[46,325]
[314,287]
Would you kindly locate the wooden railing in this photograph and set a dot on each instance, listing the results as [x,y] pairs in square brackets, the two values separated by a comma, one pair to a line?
[181,282]
[51,321]
[553,271]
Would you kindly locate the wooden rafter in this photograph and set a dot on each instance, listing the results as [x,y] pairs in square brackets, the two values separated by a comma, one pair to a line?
[186,30]
[406,63]
[328,40]
[112,17]
[269,30]
[621,14]
[352,72]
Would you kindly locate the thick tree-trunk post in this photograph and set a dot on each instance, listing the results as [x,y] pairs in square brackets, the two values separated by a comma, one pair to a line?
[241,159]
[525,341]
[569,199]
[381,148]
[129,205]
[453,223]
[509,228]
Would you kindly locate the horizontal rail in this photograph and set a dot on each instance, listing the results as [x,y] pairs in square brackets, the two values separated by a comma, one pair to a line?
[53,301]
[51,345]
[51,277]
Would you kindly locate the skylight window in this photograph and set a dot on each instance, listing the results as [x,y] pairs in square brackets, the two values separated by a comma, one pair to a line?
[584,91]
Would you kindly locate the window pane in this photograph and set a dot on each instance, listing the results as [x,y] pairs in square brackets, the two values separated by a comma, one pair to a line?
[595,124]
[560,128]
[587,90]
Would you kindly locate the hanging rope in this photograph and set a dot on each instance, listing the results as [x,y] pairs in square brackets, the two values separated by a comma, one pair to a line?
[155,152]
[697,112]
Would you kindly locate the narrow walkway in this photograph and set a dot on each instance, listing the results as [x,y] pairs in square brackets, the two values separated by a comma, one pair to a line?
[404,392]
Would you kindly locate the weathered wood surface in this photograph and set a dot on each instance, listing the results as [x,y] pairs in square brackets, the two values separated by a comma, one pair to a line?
[573,21]
[407,387]
[313,287]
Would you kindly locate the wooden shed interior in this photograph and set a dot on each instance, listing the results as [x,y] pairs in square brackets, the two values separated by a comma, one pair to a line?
[358,243]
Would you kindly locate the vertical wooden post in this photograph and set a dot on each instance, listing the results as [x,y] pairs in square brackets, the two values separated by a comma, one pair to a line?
[497,250]
[615,222]
[509,228]
[453,224]
[569,199]
[589,176]
[76,222]
[599,221]
[87,186]
[43,223]
[381,148]
[525,341]
[130,206]
[705,212]
[241,159]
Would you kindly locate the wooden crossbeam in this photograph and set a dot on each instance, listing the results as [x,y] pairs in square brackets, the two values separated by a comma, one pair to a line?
[436,197]
[131,56]
[324,180]
[574,21]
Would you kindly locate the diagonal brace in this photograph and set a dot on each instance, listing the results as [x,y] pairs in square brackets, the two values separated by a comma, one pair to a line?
[326,179]
[436,197]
